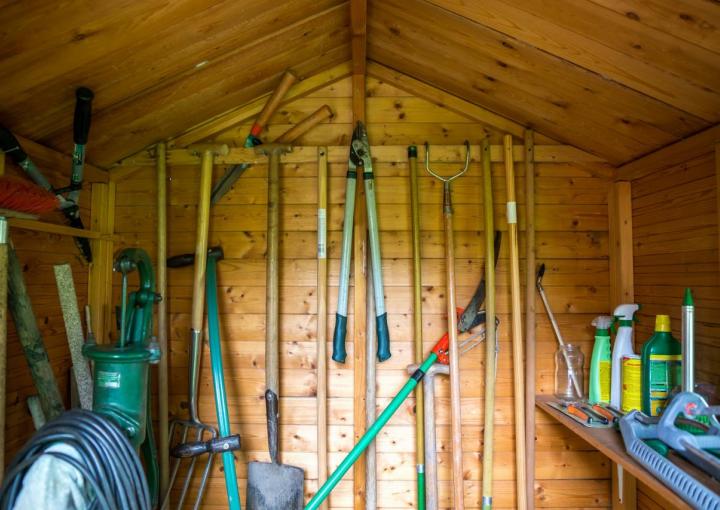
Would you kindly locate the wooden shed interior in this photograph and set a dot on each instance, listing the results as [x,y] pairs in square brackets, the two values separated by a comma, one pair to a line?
[613,108]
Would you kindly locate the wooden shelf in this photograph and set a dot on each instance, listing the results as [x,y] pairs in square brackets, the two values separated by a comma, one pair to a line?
[610,443]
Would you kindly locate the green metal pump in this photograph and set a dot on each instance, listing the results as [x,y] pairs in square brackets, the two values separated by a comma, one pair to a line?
[121,371]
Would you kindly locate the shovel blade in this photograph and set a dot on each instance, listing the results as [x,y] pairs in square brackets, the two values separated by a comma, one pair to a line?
[274,487]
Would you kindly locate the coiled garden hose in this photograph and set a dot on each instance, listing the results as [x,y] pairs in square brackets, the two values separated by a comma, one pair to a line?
[105,458]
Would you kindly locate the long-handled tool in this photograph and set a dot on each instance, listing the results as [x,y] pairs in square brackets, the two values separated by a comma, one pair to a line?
[530,318]
[490,331]
[322,319]
[558,334]
[193,427]
[273,485]
[234,172]
[360,157]
[68,204]
[3,334]
[438,353]
[417,329]
[517,343]
[430,439]
[456,411]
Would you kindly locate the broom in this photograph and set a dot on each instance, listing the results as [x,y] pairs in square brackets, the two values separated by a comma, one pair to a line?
[21,196]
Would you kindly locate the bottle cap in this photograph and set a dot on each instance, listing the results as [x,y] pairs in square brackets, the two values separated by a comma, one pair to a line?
[662,323]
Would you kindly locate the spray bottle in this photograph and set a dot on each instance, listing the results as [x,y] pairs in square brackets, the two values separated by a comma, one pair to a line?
[600,363]
[624,314]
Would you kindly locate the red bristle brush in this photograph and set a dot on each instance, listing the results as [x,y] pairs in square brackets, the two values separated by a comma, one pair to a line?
[23,196]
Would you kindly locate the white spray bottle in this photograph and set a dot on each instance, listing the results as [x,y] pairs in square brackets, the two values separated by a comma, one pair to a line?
[623,347]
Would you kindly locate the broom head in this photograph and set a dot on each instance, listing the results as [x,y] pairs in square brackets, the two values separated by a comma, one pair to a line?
[23,196]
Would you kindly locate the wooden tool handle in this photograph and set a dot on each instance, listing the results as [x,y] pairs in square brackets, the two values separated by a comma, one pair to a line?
[285,83]
[321,114]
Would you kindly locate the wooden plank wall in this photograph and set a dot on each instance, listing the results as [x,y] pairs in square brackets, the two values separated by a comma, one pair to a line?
[38,252]
[675,237]
[572,239]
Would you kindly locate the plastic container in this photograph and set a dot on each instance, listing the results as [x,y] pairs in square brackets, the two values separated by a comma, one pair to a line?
[632,383]
[564,387]
[661,367]
[623,347]
[600,363]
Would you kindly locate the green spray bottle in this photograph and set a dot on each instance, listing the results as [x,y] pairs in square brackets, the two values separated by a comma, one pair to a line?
[661,367]
[600,363]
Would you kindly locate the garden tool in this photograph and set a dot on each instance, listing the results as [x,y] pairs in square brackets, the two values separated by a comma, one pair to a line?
[193,429]
[455,409]
[490,332]
[273,485]
[3,334]
[638,430]
[517,337]
[233,173]
[417,326]
[226,443]
[430,440]
[556,329]
[68,198]
[360,157]
[438,353]
[322,318]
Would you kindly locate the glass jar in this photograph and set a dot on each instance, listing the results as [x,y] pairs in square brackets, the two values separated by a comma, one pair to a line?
[568,366]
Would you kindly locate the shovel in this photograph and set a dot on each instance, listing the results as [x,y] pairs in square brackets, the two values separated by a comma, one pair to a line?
[273,486]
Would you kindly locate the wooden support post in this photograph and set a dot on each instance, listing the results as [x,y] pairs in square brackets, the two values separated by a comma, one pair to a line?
[624,485]
[530,318]
[102,220]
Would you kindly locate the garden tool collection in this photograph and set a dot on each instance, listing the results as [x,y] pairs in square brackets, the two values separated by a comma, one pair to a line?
[193,430]
[455,409]
[67,198]
[273,485]
[360,158]
[233,173]
[226,443]
[438,353]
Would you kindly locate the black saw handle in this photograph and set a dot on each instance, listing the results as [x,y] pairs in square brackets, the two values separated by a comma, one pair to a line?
[83,109]
[188,259]
[11,146]
[216,445]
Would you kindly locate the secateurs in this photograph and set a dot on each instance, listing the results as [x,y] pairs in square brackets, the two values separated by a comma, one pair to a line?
[360,157]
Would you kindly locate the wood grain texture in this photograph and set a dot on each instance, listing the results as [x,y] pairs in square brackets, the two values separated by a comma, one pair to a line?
[571,237]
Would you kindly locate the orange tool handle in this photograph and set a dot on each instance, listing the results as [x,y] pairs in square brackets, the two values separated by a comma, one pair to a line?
[604,412]
[577,412]
[272,104]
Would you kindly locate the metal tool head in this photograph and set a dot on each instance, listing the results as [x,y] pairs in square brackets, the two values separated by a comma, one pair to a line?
[473,316]
[540,274]
[360,147]
[449,179]
[273,486]
[183,432]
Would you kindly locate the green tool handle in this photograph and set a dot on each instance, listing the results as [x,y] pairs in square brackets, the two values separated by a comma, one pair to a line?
[383,337]
[324,491]
[339,354]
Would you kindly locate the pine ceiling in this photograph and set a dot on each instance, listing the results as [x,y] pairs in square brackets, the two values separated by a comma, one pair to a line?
[617,78]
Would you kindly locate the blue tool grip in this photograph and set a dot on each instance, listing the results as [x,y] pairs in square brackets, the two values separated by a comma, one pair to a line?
[383,335]
[339,353]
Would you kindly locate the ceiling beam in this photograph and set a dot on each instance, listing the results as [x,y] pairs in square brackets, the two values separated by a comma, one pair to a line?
[358,34]
[671,155]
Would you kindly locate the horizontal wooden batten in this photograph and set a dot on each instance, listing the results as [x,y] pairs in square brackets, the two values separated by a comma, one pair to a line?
[384,153]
